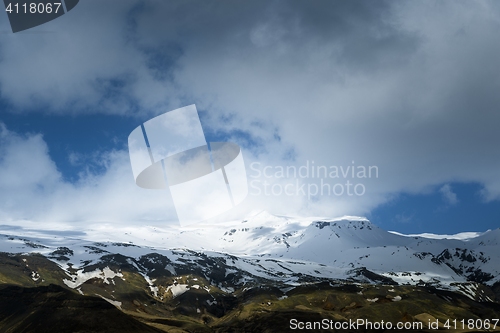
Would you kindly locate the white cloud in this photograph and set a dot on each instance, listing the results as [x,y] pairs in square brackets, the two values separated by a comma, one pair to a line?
[33,189]
[449,196]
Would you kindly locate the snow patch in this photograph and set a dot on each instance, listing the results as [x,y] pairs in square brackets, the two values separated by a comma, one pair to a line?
[115,303]
[152,287]
[35,276]
[178,289]
[81,277]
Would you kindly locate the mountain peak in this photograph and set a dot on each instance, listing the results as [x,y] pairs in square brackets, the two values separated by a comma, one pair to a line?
[263,216]
[350,218]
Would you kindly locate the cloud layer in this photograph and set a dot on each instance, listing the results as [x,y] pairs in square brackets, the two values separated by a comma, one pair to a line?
[410,87]
[33,189]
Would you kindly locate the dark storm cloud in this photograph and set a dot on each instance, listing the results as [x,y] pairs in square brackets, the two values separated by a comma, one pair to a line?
[132,45]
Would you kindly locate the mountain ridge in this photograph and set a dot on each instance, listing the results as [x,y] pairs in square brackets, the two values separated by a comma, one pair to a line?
[206,278]
[334,245]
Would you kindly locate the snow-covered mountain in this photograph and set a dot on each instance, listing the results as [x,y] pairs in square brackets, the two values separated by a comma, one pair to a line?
[253,274]
[284,249]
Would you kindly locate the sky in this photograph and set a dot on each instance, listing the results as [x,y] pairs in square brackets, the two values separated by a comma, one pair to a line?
[407,88]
